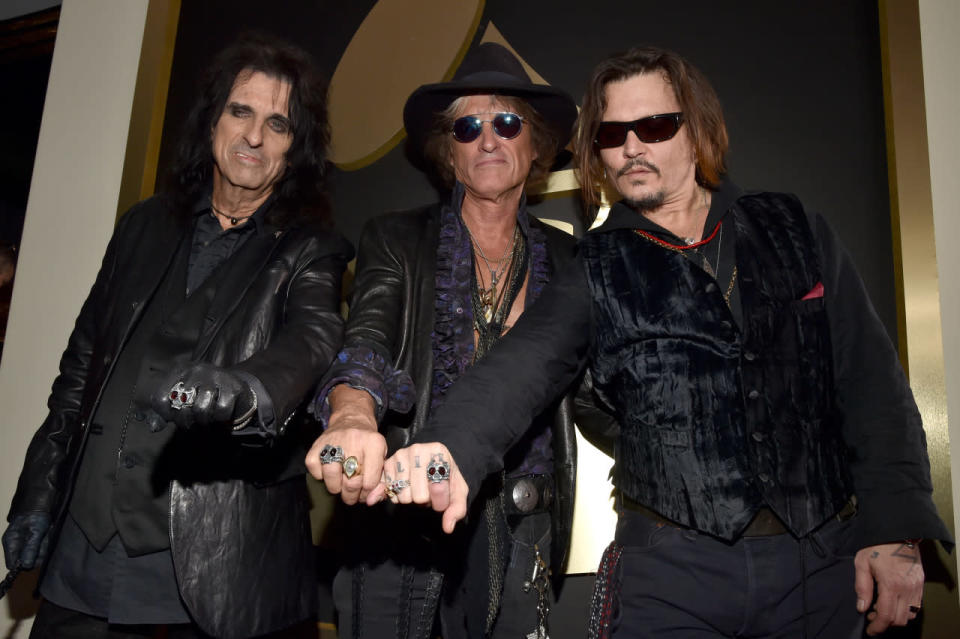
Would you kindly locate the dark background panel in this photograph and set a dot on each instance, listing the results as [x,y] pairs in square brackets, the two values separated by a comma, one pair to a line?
[800,83]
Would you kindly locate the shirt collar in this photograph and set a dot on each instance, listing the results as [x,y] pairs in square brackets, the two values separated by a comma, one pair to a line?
[623,217]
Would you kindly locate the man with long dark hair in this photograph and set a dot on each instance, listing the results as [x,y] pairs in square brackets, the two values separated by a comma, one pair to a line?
[165,487]
[771,465]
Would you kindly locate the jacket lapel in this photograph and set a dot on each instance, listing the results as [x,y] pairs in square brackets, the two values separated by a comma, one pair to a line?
[243,267]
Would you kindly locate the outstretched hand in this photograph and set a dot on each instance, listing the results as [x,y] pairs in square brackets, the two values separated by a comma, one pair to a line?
[205,395]
[898,573]
[425,474]
[351,432]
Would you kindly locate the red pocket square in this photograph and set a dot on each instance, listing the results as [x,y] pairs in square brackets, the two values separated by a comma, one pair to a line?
[815,292]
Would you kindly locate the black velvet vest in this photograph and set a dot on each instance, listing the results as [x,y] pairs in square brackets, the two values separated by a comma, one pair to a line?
[717,421]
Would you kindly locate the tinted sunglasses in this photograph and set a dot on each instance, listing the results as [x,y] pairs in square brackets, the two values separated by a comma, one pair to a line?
[506,125]
[655,128]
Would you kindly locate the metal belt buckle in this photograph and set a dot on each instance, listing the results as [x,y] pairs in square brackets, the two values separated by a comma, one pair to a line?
[525,495]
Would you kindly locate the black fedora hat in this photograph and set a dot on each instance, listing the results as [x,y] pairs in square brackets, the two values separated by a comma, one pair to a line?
[488,68]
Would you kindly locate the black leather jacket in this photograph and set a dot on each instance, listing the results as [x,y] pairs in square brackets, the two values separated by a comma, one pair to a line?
[392,312]
[239,528]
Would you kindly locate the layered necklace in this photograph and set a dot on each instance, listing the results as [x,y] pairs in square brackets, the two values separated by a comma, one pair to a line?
[491,304]
[488,295]
[695,248]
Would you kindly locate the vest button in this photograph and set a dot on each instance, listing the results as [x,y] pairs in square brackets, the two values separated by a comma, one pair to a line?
[763,477]
[753,394]
[711,287]
[758,437]
[129,461]
[749,356]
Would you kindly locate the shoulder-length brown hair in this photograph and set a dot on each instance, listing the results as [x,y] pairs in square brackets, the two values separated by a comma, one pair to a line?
[702,115]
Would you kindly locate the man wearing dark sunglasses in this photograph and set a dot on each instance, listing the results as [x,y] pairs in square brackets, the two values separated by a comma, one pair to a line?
[435,289]
[771,465]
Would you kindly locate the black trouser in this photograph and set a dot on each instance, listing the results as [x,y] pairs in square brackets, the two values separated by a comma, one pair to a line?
[674,582]
[395,596]
[56,622]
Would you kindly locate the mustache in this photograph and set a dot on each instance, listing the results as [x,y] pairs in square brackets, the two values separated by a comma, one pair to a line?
[635,163]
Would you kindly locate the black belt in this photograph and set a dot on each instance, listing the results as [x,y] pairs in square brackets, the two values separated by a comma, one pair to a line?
[527,494]
[764,524]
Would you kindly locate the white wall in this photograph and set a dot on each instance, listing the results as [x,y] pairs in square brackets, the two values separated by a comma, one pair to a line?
[939,24]
[70,215]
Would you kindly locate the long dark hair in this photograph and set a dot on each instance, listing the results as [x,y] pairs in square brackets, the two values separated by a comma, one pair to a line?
[300,191]
[702,115]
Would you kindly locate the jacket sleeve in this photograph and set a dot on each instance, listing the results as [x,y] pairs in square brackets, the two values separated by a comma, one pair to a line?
[487,411]
[376,307]
[311,328]
[882,428]
[53,449]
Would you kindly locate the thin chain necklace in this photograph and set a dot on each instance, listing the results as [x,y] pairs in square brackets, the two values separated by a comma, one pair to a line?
[488,295]
[680,248]
[233,220]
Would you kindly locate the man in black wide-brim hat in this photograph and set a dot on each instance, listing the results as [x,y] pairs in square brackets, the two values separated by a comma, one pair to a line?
[435,288]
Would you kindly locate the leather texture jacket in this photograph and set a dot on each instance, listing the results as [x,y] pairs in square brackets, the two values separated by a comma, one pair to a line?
[392,312]
[239,526]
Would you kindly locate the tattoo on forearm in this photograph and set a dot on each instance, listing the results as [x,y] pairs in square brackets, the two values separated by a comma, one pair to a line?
[416,461]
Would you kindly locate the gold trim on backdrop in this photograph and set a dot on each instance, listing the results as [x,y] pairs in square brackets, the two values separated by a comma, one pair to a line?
[149,103]
[388,57]
[918,293]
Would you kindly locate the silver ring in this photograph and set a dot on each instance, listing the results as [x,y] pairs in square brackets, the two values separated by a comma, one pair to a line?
[182,397]
[438,470]
[397,485]
[331,454]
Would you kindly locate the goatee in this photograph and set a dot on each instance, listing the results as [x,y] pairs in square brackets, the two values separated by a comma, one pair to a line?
[648,202]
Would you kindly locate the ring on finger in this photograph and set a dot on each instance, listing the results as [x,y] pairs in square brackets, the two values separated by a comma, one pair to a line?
[438,470]
[351,467]
[330,454]
[397,485]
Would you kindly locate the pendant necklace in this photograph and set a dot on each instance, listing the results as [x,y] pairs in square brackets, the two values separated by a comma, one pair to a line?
[233,220]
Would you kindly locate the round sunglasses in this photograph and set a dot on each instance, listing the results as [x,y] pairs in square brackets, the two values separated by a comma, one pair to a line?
[654,128]
[506,125]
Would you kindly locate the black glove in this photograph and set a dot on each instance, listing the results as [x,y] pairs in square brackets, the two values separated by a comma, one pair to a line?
[26,541]
[205,395]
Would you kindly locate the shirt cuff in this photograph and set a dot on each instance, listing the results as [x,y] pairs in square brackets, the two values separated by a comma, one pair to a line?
[363,368]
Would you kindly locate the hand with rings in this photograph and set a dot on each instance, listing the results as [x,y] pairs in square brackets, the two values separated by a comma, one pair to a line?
[348,456]
[425,474]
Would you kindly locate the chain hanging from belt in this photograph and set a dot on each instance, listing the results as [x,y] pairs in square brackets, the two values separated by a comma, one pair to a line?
[539,581]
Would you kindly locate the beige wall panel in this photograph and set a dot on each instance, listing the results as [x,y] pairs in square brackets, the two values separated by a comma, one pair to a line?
[70,215]
[939,24]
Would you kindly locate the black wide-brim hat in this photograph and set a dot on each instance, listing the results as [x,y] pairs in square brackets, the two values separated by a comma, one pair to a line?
[489,68]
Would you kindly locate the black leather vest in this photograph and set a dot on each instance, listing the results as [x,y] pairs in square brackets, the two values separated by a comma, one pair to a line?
[719,420]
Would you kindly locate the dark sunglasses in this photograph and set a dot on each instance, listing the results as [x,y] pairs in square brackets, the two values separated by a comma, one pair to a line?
[468,128]
[655,128]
